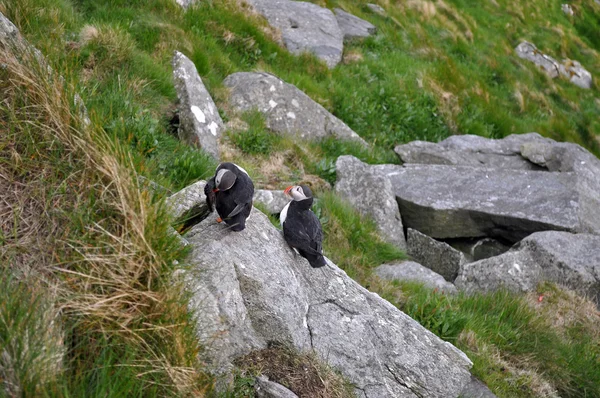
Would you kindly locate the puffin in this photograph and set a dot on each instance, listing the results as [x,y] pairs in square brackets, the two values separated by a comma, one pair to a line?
[230,191]
[301,227]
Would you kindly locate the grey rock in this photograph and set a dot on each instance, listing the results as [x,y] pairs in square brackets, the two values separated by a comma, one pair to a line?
[377,9]
[287,110]
[372,195]
[571,158]
[305,27]
[476,389]
[478,249]
[572,70]
[352,26]
[269,389]
[576,73]
[567,9]
[435,255]
[472,150]
[530,52]
[199,121]
[252,290]
[273,201]
[570,260]
[459,201]
[415,272]
[189,203]
[185,4]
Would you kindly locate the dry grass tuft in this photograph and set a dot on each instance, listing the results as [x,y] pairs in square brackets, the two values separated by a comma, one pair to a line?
[303,373]
[73,215]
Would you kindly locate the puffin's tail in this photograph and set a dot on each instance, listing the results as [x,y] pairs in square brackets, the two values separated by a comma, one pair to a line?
[317,261]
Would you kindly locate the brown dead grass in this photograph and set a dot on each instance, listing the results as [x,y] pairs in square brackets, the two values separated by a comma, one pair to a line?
[72,214]
[302,373]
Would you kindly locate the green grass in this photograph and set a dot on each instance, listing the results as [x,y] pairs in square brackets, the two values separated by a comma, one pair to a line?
[256,139]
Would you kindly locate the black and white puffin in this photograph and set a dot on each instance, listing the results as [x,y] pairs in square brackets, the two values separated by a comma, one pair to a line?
[230,191]
[301,227]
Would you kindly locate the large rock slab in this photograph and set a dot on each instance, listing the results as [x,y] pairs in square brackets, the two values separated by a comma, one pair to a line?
[305,27]
[476,389]
[199,121]
[251,290]
[460,201]
[570,260]
[473,150]
[372,195]
[414,272]
[566,157]
[287,110]
[273,201]
[435,255]
[352,26]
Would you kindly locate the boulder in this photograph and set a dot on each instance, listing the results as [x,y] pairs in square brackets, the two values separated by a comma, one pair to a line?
[572,70]
[530,52]
[377,9]
[199,121]
[252,290]
[459,201]
[269,389]
[435,255]
[352,26]
[566,157]
[570,260]
[287,110]
[305,27]
[476,389]
[273,201]
[189,203]
[473,150]
[372,195]
[414,272]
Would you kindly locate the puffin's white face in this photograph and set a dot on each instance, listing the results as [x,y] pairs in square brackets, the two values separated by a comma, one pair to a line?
[296,192]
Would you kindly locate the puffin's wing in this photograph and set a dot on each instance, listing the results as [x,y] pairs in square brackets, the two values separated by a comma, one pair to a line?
[297,235]
[238,209]
[317,233]
[210,195]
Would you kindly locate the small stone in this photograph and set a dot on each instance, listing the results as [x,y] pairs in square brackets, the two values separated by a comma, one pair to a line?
[352,26]
[415,272]
[435,255]
[377,9]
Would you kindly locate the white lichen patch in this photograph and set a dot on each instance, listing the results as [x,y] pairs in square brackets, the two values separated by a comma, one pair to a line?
[199,114]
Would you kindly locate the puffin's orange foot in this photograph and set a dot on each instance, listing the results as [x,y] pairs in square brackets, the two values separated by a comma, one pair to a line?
[219,220]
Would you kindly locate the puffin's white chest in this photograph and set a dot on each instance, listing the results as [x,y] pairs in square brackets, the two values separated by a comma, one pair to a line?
[284,212]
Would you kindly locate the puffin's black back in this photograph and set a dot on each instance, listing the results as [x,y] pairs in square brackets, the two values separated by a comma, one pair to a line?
[238,198]
[302,231]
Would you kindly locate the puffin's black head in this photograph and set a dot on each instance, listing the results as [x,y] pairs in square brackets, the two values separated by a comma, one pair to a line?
[299,192]
[224,180]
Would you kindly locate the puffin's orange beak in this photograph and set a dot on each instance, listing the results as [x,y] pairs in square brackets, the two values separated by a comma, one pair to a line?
[215,190]
[287,190]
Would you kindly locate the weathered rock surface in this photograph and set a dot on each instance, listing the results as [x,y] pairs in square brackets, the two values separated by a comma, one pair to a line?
[372,195]
[460,201]
[269,389]
[478,249]
[567,9]
[189,203]
[570,69]
[415,272]
[352,26]
[435,255]
[305,27]
[185,4]
[287,110]
[377,9]
[571,260]
[199,121]
[252,290]
[566,157]
[273,201]
[476,389]
[473,150]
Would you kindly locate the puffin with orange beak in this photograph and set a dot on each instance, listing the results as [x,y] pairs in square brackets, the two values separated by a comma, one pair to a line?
[301,227]
[230,191]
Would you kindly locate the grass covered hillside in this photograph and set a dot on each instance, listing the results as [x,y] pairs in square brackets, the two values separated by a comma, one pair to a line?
[88,306]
